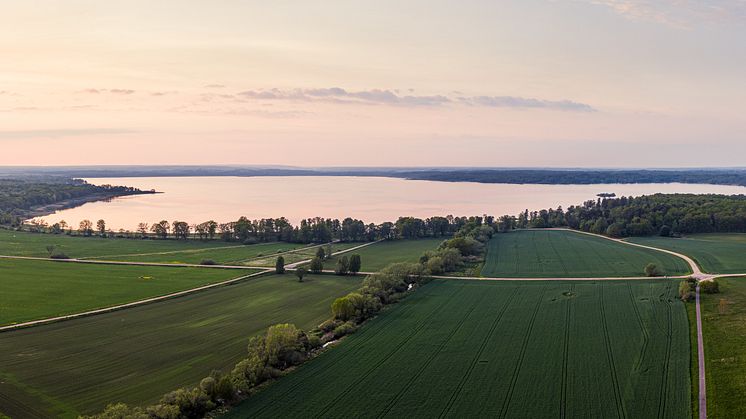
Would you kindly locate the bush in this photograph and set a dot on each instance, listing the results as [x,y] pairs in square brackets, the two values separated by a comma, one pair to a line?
[251,240]
[59,255]
[651,270]
[435,265]
[346,328]
[709,286]
[343,308]
[343,266]
[316,265]
[686,291]
[207,262]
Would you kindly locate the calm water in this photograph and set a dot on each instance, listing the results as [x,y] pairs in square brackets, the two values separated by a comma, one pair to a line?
[372,199]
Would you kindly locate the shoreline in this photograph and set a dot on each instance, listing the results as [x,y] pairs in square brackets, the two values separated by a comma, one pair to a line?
[50,209]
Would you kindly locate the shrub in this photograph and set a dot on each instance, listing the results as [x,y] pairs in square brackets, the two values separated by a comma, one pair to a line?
[686,291]
[343,308]
[59,255]
[709,286]
[343,266]
[207,262]
[316,265]
[346,328]
[280,265]
[355,264]
[651,270]
[435,265]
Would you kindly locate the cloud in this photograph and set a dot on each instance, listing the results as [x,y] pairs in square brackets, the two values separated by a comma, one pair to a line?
[112,91]
[522,102]
[392,98]
[58,133]
[164,93]
[681,13]
[214,86]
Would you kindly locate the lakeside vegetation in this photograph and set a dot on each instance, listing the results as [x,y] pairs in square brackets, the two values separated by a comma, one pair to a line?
[19,196]
[138,354]
[557,254]
[33,290]
[379,255]
[502,349]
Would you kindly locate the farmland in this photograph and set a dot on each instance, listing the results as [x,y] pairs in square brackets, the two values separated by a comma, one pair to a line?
[717,253]
[39,289]
[724,328]
[135,355]
[162,251]
[381,254]
[502,349]
[552,253]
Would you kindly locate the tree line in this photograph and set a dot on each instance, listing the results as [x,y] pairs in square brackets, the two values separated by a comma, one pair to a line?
[659,214]
[246,231]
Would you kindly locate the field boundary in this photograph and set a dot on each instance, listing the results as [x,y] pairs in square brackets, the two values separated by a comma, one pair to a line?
[131,304]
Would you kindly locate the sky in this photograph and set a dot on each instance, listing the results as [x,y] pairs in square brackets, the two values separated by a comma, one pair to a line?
[555,83]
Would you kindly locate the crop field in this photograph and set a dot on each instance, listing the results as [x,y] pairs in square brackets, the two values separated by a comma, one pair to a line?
[552,253]
[544,349]
[381,254]
[714,253]
[228,255]
[136,355]
[724,328]
[34,290]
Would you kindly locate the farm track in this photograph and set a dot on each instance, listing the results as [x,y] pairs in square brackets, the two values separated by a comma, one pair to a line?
[667,361]
[643,329]
[474,361]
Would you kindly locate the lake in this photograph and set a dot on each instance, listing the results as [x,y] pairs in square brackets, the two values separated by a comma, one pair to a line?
[371,199]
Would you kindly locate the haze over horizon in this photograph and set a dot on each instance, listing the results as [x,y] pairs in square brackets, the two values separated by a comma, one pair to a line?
[536,83]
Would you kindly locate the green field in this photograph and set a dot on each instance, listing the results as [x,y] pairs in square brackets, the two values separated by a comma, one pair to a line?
[544,349]
[379,255]
[231,255]
[725,348]
[136,355]
[34,290]
[557,254]
[714,253]
[18,243]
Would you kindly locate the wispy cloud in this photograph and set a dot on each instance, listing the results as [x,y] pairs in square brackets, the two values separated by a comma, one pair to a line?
[112,91]
[394,98]
[522,102]
[58,133]
[214,86]
[678,12]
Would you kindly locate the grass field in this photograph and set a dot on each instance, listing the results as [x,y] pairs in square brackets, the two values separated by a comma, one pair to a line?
[545,349]
[551,253]
[162,251]
[725,348]
[136,355]
[34,290]
[381,254]
[714,253]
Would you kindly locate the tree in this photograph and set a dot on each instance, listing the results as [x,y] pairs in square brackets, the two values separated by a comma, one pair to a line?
[86,227]
[280,265]
[101,227]
[300,272]
[181,230]
[63,224]
[161,229]
[320,253]
[316,265]
[651,270]
[142,228]
[328,252]
[343,308]
[355,264]
[343,266]
[665,231]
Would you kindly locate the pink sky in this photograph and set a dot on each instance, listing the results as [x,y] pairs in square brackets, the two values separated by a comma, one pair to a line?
[538,83]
